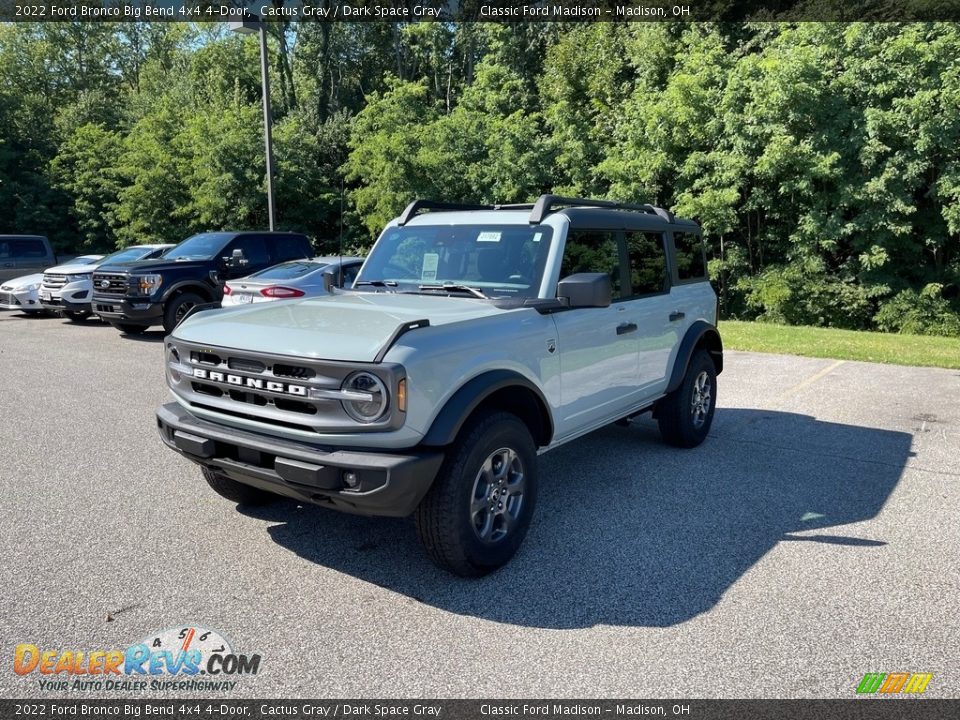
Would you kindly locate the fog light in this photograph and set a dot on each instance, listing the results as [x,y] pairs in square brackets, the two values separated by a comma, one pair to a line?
[350,479]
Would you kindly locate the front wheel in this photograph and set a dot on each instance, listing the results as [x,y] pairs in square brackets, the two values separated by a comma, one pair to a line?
[479,508]
[685,415]
[177,309]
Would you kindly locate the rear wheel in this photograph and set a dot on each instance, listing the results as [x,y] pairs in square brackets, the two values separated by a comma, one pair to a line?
[479,508]
[685,415]
[130,329]
[177,309]
[235,491]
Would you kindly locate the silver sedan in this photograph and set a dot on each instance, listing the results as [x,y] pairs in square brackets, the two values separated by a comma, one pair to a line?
[294,279]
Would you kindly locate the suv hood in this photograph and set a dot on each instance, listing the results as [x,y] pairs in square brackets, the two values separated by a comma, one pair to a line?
[72,269]
[347,326]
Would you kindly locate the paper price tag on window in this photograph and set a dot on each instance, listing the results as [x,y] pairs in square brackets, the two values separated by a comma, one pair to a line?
[431,261]
[488,236]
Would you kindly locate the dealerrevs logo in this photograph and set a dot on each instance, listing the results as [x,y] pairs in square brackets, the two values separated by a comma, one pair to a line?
[183,658]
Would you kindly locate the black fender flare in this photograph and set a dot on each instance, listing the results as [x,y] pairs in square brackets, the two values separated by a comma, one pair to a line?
[699,334]
[448,422]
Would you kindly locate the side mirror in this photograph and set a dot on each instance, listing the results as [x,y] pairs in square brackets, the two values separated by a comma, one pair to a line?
[237,260]
[329,281]
[583,290]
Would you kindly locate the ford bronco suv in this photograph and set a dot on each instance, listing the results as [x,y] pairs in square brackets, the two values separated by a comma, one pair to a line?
[474,338]
[132,296]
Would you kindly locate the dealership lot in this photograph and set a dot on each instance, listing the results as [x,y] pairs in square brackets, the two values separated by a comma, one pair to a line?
[813,538]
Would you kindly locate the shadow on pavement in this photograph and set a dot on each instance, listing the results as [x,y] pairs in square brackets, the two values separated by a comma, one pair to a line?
[629,531]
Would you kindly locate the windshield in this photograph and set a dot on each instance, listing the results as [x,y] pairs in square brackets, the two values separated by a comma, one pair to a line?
[205,246]
[500,260]
[82,260]
[288,270]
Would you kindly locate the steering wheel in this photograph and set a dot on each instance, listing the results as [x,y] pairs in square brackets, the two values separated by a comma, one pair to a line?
[519,280]
[393,271]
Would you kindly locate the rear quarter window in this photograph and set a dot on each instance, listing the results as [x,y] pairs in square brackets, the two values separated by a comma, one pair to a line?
[688,254]
[290,248]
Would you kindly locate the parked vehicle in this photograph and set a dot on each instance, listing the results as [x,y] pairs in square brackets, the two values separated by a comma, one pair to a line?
[23,293]
[24,255]
[297,278]
[132,296]
[68,289]
[475,338]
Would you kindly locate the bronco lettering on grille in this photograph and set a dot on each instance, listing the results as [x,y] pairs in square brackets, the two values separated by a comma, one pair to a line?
[255,383]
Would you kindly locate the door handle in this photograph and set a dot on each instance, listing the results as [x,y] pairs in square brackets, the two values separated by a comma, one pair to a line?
[677,315]
[624,328]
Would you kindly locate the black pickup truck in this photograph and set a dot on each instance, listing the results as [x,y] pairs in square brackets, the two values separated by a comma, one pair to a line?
[135,295]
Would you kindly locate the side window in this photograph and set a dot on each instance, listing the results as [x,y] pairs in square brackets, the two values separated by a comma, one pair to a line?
[592,251]
[254,249]
[29,249]
[5,250]
[648,262]
[688,251]
[289,248]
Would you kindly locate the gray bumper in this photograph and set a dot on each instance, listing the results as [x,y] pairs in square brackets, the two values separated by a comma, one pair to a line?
[388,484]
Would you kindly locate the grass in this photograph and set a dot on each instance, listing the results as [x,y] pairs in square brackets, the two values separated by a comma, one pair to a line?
[842,344]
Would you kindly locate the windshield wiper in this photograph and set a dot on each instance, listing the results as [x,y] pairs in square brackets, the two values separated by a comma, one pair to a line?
[452,287]
[376,283]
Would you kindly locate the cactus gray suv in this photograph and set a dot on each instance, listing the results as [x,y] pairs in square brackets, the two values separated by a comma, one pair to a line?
[474,339]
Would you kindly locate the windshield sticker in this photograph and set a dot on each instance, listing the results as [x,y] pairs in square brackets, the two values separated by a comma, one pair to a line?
[537,236]
[430,263]
[488,236]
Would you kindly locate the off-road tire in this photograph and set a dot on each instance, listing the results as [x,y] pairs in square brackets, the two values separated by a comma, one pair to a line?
[130,329]
[236,491]
[175,308]
[680,424]
[446,518]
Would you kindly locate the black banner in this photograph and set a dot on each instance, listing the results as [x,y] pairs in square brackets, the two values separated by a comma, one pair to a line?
[479,10]
[854,709]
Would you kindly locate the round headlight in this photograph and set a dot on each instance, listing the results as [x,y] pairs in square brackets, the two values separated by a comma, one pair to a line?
[371,400]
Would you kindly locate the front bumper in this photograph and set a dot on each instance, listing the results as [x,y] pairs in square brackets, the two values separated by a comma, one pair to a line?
[389,484]
[63,304]
[23,301]
[121,309]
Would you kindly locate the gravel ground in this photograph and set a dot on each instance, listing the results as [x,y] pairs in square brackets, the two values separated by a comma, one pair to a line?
[813,538]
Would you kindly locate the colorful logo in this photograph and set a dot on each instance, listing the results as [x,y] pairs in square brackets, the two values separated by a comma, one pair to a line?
[182,653]
[892,683]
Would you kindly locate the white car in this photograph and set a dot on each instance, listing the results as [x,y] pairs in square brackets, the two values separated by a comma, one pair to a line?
[293,279]
[68,288]
[23,293]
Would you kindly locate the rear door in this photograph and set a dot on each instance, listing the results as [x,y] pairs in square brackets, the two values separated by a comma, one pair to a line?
[650,305]
[289,247]
[598,347]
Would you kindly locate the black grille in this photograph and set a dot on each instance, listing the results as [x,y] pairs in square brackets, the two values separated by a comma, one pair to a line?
[8,299]
[205,358]
[254,366]
[293,371]
[116,284]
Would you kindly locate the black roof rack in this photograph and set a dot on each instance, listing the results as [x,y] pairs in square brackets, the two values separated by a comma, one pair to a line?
[414,208]
[546,203]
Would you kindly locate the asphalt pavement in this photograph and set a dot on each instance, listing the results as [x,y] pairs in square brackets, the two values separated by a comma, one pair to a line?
[813,538]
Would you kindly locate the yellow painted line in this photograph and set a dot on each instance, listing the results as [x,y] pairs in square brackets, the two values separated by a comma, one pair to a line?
[809,381]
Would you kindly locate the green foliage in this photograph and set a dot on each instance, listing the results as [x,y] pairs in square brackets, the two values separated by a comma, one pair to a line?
[822,160]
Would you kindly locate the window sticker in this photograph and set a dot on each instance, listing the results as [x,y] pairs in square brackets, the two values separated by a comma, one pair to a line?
[537,236]
[489,236]
[431,261]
